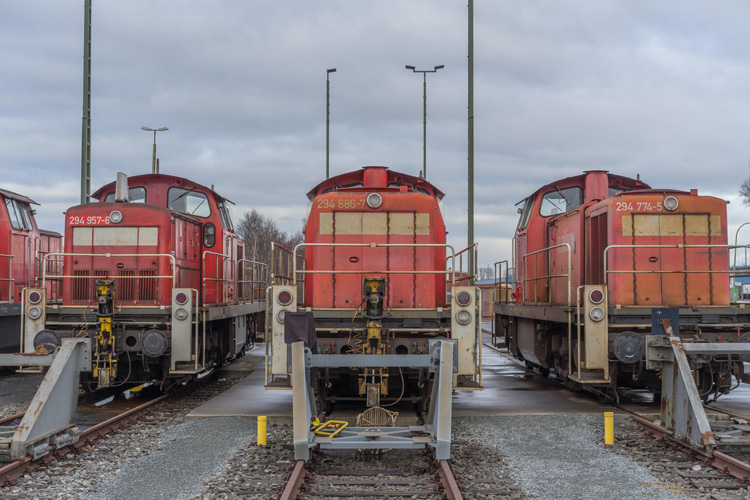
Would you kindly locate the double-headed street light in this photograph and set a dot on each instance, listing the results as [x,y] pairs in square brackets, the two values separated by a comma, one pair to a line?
[328,113]
[424,121]
[154,130]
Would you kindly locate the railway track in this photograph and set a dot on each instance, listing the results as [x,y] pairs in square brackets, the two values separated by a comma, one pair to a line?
[395,474]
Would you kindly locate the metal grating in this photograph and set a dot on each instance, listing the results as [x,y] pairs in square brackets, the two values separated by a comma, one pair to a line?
[125,288]
[84,288]
[147,287]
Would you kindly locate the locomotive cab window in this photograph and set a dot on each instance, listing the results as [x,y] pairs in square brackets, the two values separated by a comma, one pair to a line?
[15,212]
[226,215]
[188,202]
[523,221]
[560,201]
[136,195]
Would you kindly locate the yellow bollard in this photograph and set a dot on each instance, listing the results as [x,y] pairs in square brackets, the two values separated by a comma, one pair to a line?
[262,430]
[609,428]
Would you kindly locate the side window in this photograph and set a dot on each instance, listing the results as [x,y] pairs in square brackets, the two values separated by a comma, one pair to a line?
[560,201]
[136,194]
[523,221]
[188,202]
[24,208]
[226,215]
[614,190]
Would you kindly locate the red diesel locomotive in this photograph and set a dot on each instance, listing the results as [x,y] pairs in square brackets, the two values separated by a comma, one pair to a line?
[156,276]
[375,271]
[22,249]
[598,261]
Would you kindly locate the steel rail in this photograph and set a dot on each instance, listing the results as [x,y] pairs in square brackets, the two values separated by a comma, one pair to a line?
[294,482]
[20,467]
[448,481]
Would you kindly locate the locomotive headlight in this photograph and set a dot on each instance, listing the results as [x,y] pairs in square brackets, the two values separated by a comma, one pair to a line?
[463,317]
[35,312]
[671,203]
[181,314]
[35,297]
[374,200]
[596,296]
[280,316]
[596,313]
[115,216]
[284,297]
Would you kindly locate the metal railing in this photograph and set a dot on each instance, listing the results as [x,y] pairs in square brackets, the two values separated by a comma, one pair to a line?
[283,263]
[502,282]
[55,255]
[303,272]
[256,283]
[547,277]
[9,279]
[729,272]
[219,277]
[53,269]
[469,277]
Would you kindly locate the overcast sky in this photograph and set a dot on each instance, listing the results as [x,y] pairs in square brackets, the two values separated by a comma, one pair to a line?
[635,87]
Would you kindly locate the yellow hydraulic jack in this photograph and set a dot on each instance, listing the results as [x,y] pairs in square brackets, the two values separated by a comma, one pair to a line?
[374,382]
[105,359]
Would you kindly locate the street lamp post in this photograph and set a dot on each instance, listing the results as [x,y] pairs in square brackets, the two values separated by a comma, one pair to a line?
[153,160]
[328,116]
[424,114]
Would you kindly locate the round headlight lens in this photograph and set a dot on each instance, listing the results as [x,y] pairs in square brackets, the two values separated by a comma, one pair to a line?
[671,203]
[280,316]
[596,296]
[35,297]
[463,317]
[596,313]
[35,312]
[463,298]
[284,297]
[374,200]
[115,217]
[181,313]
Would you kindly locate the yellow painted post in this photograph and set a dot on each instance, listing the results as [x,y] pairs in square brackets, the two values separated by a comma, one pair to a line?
[609,428]
[262,430]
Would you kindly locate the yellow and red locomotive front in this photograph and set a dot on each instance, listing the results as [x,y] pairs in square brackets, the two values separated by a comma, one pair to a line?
[373,270]
[146,269]
[596,256]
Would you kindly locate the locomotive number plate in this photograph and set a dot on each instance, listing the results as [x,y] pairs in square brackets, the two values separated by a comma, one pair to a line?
[638,206]
[341,203]
[89,220]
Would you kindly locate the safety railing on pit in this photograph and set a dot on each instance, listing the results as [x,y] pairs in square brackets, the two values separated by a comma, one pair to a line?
[547,277]
[109,276]
[9,279]
[731,273]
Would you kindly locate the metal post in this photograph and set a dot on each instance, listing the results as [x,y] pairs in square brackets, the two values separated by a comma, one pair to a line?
[86,128]
[424,112]
[328,117]
[154,170]
[734,264]
[471,136]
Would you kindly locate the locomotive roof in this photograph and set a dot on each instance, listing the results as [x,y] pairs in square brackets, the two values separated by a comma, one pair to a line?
[153,178]
[16,196]
[351,179]
[614,179]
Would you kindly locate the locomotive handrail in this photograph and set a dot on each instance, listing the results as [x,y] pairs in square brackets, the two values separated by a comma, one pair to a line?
[282,277]
[9,279]
[173,276]
[469,276]
[375,245]
[226,281]
[252,282]
[54,268]
[549,266]
[499,280]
